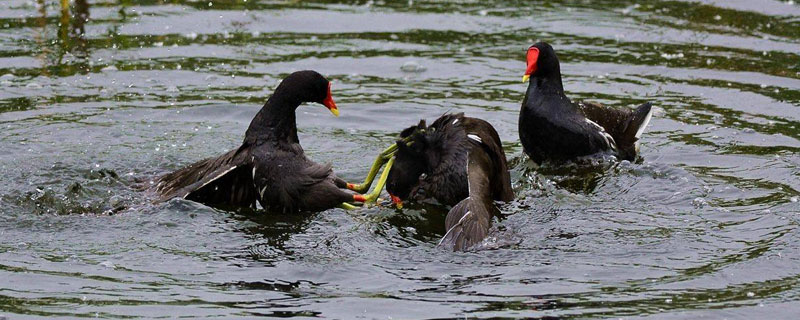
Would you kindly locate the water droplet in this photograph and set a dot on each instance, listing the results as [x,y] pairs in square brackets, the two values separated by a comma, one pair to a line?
[699,202]
[412,66]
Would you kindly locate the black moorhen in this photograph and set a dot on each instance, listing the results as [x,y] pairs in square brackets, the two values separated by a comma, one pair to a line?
[551,127]
[270,166]
[459,161]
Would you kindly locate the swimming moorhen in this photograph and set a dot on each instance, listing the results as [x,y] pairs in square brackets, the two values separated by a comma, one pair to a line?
[270,166]
[551,127]
[459,161]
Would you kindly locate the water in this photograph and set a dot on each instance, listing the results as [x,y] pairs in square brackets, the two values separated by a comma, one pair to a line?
[705,226]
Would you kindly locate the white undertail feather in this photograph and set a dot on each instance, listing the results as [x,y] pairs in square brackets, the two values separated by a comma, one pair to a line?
[210,181]
[474,137]
[644,124]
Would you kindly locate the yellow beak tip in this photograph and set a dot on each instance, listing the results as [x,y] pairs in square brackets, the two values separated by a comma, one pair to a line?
[525,78]
[335,112]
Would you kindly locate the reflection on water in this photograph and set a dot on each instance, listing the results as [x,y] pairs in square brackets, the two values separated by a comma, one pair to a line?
[96,96]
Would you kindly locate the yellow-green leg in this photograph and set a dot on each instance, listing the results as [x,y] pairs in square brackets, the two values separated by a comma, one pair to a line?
[348,206]
[382,158]
[387,155]
[373,196]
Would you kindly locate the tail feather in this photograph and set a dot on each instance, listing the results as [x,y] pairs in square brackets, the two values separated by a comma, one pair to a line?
[642,116]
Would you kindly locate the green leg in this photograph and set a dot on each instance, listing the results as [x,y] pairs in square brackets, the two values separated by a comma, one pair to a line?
[347,206]
[379,161]
[386,155]
[373,196]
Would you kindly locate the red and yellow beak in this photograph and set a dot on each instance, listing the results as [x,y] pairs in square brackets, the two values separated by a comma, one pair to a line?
[533,57]
[397,201]
[328,102]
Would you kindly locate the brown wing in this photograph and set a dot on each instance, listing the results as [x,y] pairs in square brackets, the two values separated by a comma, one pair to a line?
[490,140]
[224,180]
[468,221]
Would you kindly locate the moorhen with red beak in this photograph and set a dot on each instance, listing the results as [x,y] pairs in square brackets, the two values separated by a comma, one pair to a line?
[551,127]
[270,166]
[459,161]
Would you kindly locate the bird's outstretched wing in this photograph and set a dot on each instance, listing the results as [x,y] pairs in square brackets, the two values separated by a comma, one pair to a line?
[489,140]
[468,221]
[223,180]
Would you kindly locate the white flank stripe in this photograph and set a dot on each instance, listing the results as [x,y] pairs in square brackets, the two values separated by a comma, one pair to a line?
[609,139]
[209,181]
[474,137]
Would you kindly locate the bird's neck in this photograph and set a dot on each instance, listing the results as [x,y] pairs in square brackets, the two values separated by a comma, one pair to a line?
[275,122]
[550,84]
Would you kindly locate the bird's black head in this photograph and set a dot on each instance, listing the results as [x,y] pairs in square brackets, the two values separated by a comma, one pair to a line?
[307,86]
[409,164]
[542,62]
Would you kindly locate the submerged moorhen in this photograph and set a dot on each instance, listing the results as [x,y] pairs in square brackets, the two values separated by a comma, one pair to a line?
[459,161]
[551,127]
[270,166]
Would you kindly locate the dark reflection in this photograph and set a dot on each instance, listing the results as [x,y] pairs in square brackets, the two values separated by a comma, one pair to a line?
[580,176]
[70,44]
[427,221]
[270,231]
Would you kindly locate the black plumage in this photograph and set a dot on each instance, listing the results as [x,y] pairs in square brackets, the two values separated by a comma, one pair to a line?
[270,166]
[457,161]
[551,127]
